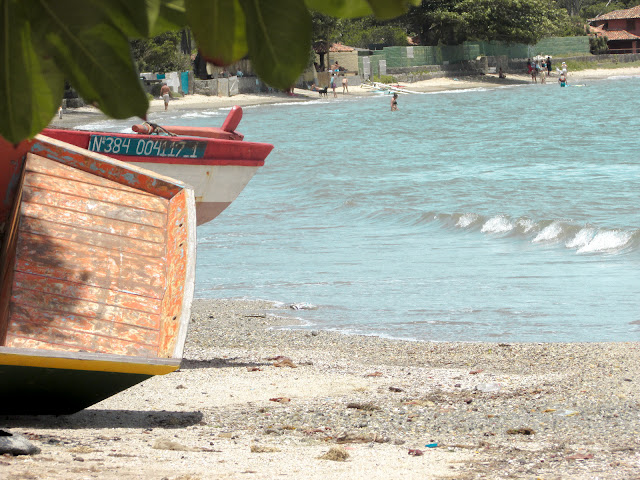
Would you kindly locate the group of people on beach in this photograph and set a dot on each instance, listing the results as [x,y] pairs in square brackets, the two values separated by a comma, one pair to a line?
[542,68]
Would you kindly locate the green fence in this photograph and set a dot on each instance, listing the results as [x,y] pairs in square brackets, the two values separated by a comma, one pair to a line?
[402,57]
[499,49]
[562,46]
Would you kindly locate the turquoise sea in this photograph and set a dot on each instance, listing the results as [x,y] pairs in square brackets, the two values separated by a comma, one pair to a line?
[501,214]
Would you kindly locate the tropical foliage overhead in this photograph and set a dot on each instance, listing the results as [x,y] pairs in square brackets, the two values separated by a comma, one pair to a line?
[86,42]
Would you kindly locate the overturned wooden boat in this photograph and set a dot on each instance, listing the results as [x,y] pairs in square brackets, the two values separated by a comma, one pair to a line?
[217,162]
[98,265]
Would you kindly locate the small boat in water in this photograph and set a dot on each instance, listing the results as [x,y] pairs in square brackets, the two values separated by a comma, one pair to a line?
[98,267]
[217,162]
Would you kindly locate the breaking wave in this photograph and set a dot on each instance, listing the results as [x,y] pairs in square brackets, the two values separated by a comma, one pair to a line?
[583,239]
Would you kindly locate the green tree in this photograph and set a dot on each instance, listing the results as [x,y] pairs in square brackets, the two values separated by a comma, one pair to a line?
[435,22]
[521,21]
[598,45]
[593,9]
[87,42]
[161,53]
[367,31]
[452,22]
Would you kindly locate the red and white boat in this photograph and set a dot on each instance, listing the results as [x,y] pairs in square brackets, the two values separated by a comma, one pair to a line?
[216,162]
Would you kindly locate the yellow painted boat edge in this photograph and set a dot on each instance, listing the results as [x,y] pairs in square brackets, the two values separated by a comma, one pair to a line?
[116,363]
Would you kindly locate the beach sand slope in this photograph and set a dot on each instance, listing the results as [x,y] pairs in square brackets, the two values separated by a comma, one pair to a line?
[256,400]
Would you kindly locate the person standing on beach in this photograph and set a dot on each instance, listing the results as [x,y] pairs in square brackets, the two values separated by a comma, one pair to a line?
[333,85]
[165,93]
[548,66]
[394,102]
[345,86]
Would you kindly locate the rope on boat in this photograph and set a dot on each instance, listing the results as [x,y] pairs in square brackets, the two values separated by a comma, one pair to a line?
[157,129]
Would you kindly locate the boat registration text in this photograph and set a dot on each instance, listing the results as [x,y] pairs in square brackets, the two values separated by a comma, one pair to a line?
[143,147]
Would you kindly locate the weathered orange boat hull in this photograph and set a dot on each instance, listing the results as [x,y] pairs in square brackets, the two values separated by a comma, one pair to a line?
[97,279]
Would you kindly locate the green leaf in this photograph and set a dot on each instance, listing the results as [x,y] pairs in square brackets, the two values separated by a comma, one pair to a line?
[219,29]
[279,38]
[144,18]
[93,54]
[341,8]
[382,9]
[172,17]
[385,9]
[134,17]
[30,87]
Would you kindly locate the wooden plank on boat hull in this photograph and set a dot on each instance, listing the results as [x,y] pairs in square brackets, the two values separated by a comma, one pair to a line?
[91,206]
[51,391]
[74,332]
[177,249]
[102,296]
[44,166]
[42,337]
[44,256]
[93,222]
[77,305]
[86,236]
[74,296]
[104,167]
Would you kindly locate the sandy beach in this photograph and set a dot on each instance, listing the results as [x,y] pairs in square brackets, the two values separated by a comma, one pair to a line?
[254,399]
[259,396]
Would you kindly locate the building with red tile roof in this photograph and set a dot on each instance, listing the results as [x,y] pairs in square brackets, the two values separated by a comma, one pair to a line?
[621,28]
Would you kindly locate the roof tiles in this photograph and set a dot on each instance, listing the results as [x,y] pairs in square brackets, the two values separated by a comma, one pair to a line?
[633,12]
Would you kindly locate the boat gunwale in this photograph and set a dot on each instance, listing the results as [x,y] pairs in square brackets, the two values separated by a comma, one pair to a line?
[252,154]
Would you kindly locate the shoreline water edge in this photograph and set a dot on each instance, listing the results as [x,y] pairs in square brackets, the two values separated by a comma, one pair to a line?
[76,117]
[257,399]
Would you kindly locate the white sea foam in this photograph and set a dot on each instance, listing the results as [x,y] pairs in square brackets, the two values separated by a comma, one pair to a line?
[525,224]
[499,224]
[455,92]
[582,238]
[466,220]
[621,77]
[200,114]
[298,104]
[607,241]
[549,233]
[102,126]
